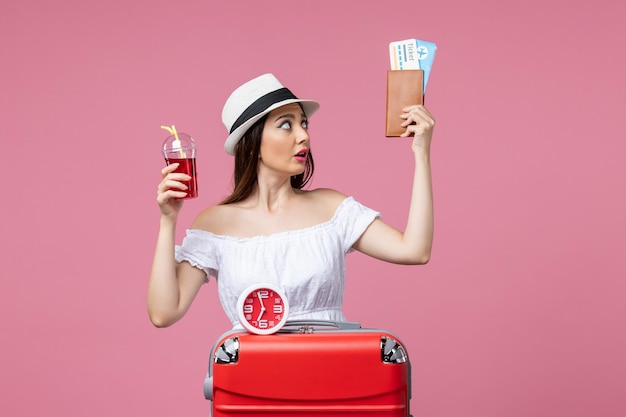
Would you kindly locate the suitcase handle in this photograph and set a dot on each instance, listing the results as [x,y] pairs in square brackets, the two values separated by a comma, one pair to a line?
[309,326]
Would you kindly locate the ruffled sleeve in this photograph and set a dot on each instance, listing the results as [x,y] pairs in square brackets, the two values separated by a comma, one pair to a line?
[199,249]
[352,219]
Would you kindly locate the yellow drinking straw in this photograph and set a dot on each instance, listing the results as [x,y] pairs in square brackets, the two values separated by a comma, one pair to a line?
[172,131]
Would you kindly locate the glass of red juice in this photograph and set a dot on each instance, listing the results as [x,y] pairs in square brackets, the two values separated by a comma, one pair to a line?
[180,148]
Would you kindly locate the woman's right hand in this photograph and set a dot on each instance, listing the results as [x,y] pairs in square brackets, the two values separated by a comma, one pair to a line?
[171,191]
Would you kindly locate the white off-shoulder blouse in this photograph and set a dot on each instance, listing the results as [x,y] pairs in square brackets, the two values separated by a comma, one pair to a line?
[307,264]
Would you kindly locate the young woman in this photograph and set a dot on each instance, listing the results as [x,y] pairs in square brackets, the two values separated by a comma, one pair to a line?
[272,230]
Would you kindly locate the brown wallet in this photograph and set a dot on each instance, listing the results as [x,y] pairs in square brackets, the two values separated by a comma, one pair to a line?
[404,87]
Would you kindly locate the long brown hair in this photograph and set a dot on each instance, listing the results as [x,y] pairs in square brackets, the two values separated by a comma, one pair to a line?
[246,168]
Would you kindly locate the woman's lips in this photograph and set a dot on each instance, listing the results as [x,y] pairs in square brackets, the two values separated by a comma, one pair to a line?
[301,155]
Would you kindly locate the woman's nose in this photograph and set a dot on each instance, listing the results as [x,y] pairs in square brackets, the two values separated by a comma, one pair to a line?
[303,136]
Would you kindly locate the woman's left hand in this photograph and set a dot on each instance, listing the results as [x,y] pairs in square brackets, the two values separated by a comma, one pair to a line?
[414,245]
[419,123]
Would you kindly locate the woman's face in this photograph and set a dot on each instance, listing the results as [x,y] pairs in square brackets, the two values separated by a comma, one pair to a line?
[285,140]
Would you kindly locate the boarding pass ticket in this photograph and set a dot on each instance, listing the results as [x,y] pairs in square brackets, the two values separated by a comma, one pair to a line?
[412,54]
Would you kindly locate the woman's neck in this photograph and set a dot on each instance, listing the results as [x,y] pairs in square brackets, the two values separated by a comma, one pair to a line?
[272,195]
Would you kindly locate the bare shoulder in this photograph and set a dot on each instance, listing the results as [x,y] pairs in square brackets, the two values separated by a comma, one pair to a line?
[326,194]
[325,200]
[310,207]
[213,219]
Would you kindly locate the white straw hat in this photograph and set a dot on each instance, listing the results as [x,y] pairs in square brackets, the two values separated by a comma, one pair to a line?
[252,101]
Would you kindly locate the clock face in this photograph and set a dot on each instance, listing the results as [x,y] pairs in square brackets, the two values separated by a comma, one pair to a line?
[262,309]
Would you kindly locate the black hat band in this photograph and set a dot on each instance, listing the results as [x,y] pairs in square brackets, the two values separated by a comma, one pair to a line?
[261,104]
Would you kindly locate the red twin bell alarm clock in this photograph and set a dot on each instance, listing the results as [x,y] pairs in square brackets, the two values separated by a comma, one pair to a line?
[262,309]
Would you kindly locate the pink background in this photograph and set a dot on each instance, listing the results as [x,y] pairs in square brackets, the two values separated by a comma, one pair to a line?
[521,311]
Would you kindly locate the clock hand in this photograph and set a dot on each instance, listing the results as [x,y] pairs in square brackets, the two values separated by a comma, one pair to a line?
[260,296]
[261,313]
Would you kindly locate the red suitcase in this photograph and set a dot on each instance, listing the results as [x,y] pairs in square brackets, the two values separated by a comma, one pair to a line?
[319,368]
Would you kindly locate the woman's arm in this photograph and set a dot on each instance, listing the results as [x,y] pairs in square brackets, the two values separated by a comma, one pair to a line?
[172,287]
[413,246]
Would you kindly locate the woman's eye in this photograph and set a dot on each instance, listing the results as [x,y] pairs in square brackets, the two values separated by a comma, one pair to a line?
[305,124]
[285,125]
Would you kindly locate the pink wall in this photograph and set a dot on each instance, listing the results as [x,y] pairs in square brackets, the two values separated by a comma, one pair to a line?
[519,313]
